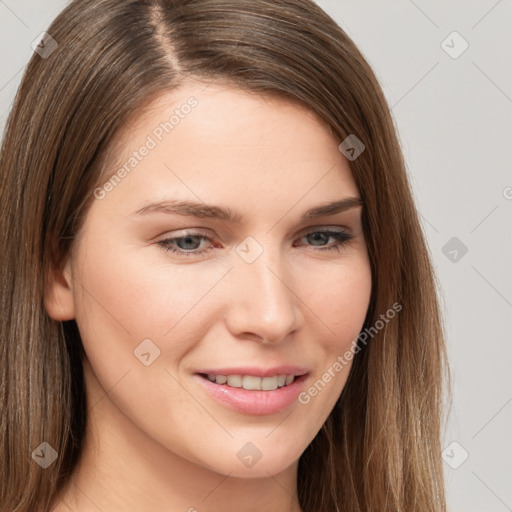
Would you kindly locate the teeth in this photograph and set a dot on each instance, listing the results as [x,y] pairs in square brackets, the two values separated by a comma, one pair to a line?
[235,381]
[252,382]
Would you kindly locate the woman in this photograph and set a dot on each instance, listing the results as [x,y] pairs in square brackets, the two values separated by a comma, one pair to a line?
[292,358]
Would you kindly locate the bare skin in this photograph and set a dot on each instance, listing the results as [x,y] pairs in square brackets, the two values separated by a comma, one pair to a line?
[156,440]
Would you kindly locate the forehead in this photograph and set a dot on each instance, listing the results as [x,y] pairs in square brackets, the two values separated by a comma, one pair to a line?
[223,115]
[216,140]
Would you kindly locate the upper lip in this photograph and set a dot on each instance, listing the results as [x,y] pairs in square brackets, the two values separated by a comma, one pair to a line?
[257,371]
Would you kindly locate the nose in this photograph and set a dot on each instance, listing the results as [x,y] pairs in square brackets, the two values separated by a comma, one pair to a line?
[263,302]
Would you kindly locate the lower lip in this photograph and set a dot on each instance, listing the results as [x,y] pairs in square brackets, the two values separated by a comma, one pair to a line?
[253,401]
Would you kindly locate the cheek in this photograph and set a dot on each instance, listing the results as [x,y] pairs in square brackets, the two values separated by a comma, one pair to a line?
[339,296]
[126,303]
[339,299]
[128,298]
[139,293]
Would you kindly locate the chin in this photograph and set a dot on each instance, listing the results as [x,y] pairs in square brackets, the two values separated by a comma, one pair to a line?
[246,459]
[261,469]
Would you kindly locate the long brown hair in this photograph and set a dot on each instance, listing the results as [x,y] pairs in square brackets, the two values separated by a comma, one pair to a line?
[379,450]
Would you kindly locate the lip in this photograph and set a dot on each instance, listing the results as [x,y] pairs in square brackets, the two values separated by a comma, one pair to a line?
[257,371]
[257,403]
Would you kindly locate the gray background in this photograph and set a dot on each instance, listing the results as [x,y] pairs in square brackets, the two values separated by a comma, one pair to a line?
[454,119]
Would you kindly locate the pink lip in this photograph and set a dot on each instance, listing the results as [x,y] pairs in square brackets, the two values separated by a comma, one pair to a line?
[253,402]
[257,372]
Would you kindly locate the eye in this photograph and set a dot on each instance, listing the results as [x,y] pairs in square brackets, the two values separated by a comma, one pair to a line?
[341,238]
[189,243]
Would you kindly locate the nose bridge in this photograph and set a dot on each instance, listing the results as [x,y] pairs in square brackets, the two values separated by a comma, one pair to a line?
[265,304]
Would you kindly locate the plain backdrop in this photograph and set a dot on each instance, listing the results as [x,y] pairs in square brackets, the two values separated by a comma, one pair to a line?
[446,70]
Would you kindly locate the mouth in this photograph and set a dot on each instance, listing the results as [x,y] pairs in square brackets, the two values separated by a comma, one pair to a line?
[251,394]
[251,382]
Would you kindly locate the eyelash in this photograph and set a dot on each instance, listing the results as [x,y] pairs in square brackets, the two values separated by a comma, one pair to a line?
[344,239]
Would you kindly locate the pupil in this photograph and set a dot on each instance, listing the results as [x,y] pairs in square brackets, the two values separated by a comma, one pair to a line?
[316,236]
[187,239]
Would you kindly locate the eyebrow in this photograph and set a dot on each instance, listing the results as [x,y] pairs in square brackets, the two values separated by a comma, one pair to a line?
[203,210]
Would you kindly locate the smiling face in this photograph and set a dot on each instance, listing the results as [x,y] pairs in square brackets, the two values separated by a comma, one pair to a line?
[163,297]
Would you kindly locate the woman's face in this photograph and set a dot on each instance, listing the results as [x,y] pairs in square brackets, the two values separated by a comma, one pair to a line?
[163,297]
